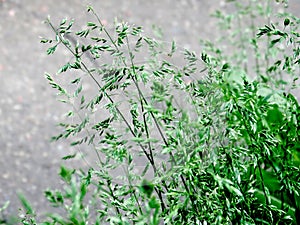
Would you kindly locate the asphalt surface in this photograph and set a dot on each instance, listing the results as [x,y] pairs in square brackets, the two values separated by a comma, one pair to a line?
[29,110]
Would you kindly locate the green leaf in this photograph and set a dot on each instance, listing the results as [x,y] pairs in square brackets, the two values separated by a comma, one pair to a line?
[83,33]
[225,67]
[69,157]
[286,22]
[103,124]
[63,22]
[85,48]
[55,85]
[6,204]
[76,142]
[25,203]
[75,65]
[145,169]
[44,40]
[78,90]
[89,8]
[136,30]
[233,189]
[259,194]
[274,115]
[147,188]
[91,24]
[153,203]
[173,49]
[66,174]
[76,81]
[56,198]
[82,100]
[51,50]
[138,44]
[64,68]
[274,41]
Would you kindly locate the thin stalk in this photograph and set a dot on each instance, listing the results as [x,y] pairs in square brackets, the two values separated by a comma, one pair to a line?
[146,128]
[108,183]
[135,83]
[73,53]
[93,144]
[137,86]
[118,110]
[85,69]
[161,133]
[133,190]
[140,98]
[125,64]
[253,141]
[262,180]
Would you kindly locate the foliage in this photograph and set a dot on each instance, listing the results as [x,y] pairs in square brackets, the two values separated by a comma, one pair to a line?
[221,147]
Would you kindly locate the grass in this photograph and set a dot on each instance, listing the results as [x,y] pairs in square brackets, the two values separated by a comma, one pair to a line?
[222,148]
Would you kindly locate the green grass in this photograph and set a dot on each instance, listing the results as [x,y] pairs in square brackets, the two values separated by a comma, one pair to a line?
[221,149]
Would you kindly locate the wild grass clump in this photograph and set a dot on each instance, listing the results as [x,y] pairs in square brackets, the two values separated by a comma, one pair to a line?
[214,140]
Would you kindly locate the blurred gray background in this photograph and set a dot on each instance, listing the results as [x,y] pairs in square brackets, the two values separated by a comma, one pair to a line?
[28,107]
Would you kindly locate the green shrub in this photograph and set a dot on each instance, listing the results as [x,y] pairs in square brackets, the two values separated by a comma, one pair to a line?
[221,147]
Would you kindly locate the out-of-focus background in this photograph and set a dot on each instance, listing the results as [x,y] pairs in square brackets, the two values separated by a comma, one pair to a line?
[28,107]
